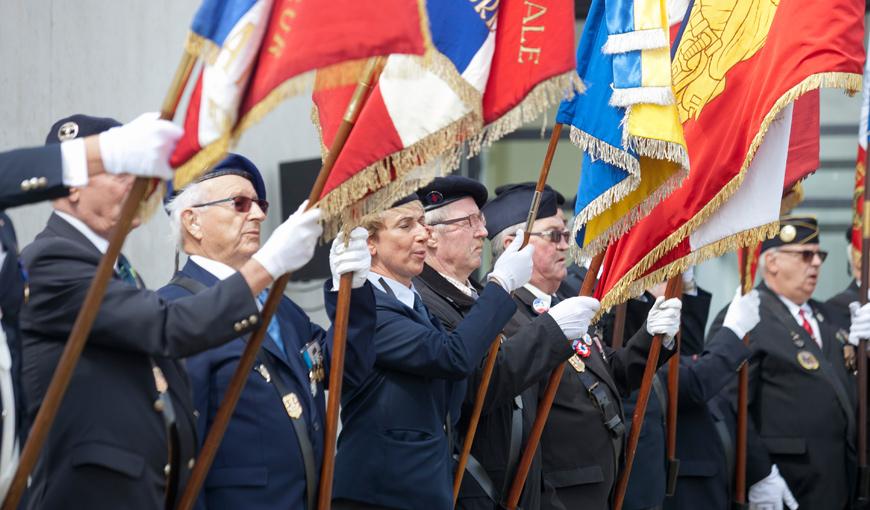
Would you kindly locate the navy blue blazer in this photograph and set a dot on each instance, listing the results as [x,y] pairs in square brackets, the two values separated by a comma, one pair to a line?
[393,450]
[108,447]
[259,463]
[18,167]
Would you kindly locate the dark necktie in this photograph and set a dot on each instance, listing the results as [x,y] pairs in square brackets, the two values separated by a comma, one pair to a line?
[419,307]
[126,271]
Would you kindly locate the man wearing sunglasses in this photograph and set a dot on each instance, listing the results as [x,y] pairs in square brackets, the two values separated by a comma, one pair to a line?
[124,436]
[271,454]
[454,249]
[801,398]
[582,440]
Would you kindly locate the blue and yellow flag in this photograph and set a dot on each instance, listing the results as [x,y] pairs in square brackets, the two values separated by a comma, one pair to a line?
[626,123]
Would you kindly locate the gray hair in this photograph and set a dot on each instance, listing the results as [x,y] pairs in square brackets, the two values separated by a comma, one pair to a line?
[497,243]
[189,196]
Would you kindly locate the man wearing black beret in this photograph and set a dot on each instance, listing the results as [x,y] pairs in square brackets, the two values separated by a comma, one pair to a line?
[74,156]
[801,398]
[583,438]
[125,417]
[458,229]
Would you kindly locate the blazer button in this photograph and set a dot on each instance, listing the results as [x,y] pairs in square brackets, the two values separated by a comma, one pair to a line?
[34,183]
[245,323]
[158,405]
[43,182]
[167,469]
[191,463]
[25,185]
[252,319]
[238,327]
[195,413]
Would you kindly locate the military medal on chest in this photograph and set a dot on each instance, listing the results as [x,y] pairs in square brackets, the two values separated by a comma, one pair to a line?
[313,356]
[807,360]
[540,306]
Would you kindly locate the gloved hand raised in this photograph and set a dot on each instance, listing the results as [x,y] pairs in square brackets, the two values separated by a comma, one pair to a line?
[292,244]
[141,147]
[664,319]
[514,268]
[354,257]
[573,315]
[771,491]
[742,314]
[860,322]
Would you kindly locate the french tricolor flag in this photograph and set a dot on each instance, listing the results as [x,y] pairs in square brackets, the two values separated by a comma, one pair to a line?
[413,126]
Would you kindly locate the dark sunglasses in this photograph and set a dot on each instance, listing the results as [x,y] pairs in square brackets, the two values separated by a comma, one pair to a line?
[472,221]
[807,255]
[241,203]
[554,236]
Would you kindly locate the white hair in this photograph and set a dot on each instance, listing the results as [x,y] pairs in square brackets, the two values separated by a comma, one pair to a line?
[497,244]
[189,196]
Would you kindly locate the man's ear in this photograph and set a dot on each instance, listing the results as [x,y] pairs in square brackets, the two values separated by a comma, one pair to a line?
[432,242]
[190,223]
[507,242]
[373,247]
[74,195]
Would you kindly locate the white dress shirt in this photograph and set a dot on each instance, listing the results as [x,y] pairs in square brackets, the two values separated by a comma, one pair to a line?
[795,309]
[404,294]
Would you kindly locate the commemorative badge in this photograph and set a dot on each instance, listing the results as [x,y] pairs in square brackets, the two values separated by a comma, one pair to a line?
[313,356]
[292,405]
[539,306]
[583,350]
[807,360]
[577,363]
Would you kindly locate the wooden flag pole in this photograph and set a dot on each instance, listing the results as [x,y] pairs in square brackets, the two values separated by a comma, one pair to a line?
[619,325]
[246,362]
[673,401]
[489,365]
[546,402]
[742,397]
[673,290]
[863,470]
[88,312]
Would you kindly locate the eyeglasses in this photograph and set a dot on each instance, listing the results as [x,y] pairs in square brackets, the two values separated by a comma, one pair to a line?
[807,255]
[554,236]
[241,203]
[472,221]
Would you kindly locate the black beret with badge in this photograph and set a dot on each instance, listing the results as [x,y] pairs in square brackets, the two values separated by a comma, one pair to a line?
[794,230]
[511,205]
[407,199]
[449,189]
[78,126]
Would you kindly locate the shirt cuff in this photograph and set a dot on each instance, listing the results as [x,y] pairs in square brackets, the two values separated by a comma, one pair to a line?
[75,162]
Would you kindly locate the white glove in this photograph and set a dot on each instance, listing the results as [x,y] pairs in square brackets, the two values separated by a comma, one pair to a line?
[514,268]
[141,147]
[664,319]
[770,492]
[860,322]
[292,244]
[354,257]
[742,314]
[573,315]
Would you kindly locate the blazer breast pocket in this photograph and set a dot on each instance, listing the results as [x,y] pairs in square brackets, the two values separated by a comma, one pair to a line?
[108,457]
[577,476]
[785,445]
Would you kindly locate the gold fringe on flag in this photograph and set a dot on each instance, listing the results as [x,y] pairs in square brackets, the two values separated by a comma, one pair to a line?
[545,94]
[635,280]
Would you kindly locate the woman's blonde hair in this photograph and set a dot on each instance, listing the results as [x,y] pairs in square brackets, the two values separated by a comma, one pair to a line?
[375,222]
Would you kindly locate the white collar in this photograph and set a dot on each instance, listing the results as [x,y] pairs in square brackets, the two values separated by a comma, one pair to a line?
[98,242]
[404,294]
[219,270]
[538,293]
[464,288]
[795,309]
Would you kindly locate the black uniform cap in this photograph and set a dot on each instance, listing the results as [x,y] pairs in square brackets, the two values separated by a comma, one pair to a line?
[511,205]
[78,126]
[794,230]
[449,189]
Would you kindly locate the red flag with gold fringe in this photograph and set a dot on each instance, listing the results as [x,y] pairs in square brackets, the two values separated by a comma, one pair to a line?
[737,71]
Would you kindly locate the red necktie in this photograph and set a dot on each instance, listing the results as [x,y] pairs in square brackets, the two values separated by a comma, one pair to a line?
[806,324]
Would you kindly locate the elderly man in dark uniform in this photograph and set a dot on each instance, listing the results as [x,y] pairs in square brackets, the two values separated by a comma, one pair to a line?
[801,399]
[453,253]
[273,448]
[35,174]
[583,438]
[128,403]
